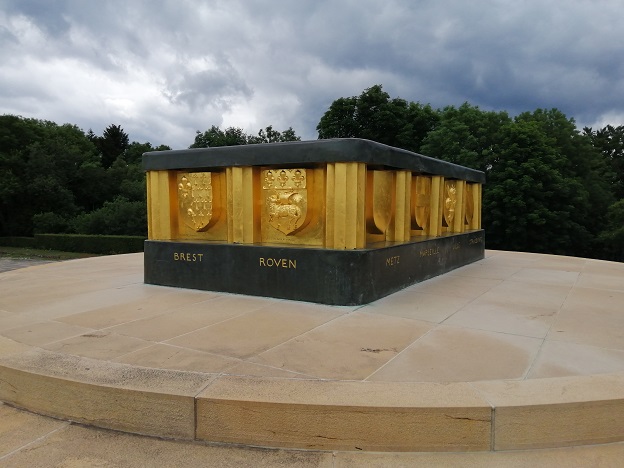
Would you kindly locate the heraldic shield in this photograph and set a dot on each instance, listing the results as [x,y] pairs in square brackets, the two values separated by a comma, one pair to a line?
[195,199]
[286,198]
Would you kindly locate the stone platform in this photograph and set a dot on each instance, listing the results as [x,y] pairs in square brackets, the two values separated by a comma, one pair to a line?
[516,351]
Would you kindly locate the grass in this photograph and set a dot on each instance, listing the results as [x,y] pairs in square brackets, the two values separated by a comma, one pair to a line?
[19,252]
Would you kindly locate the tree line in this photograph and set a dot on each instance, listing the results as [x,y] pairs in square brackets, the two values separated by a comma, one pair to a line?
[550,187]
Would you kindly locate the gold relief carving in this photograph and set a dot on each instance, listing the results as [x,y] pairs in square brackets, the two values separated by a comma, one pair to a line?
[286,198]
[450,201]
[195,197]
[421,202]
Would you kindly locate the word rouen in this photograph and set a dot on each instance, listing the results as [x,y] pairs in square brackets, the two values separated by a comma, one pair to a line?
[277,262]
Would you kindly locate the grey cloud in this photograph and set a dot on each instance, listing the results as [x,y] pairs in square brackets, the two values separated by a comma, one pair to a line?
[283,62]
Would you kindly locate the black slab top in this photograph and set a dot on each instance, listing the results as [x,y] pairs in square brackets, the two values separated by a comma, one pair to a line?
[303,153]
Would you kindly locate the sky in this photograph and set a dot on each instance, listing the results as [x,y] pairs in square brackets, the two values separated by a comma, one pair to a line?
[163,70]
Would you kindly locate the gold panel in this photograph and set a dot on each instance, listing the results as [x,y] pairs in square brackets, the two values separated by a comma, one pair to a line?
[345,197]
[421,205]
[338,206]
[292,206]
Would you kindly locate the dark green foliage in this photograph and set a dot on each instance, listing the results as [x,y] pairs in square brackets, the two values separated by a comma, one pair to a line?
[612,236]
[374,116]
[55,178]
[113,142]
[21,242]
[118,217]
[233,136]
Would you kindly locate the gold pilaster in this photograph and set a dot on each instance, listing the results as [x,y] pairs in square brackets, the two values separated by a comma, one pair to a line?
[345,215]
[437,204]
[243,205]
[402,219]
[476,216]
[161,209]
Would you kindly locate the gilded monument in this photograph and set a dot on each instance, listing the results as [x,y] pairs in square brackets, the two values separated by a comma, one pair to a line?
[333,221]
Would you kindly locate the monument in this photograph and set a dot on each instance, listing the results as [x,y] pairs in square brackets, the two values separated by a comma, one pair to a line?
[342,222]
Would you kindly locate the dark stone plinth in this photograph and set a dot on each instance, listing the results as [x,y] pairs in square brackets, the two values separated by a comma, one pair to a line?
[338,277]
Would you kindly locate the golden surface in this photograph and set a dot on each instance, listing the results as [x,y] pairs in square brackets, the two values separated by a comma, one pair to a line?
[335,205]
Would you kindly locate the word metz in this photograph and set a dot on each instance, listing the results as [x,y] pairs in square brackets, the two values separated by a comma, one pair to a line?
[391,261]
[277,262]
[187,257]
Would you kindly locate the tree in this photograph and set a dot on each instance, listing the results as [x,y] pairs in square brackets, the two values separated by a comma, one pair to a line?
[528,204]
[269,135]
[466,136]
[610,142]
[374,116]
[613,234]
[214,136]
[585,170]
[39,162]
[233,136]
[113,142]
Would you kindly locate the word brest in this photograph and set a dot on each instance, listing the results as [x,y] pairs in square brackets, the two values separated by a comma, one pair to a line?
[187,257]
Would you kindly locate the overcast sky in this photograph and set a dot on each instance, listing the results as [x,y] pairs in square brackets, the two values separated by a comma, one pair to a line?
[164,69]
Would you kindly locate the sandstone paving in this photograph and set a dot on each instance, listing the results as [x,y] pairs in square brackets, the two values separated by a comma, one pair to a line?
[510,319]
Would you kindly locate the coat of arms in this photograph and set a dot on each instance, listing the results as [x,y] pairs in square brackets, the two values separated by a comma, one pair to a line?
[450,200]
[286,198]
[195,199]
[421,200]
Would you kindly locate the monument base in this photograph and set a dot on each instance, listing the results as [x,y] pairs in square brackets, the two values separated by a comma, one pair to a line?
[336,277]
